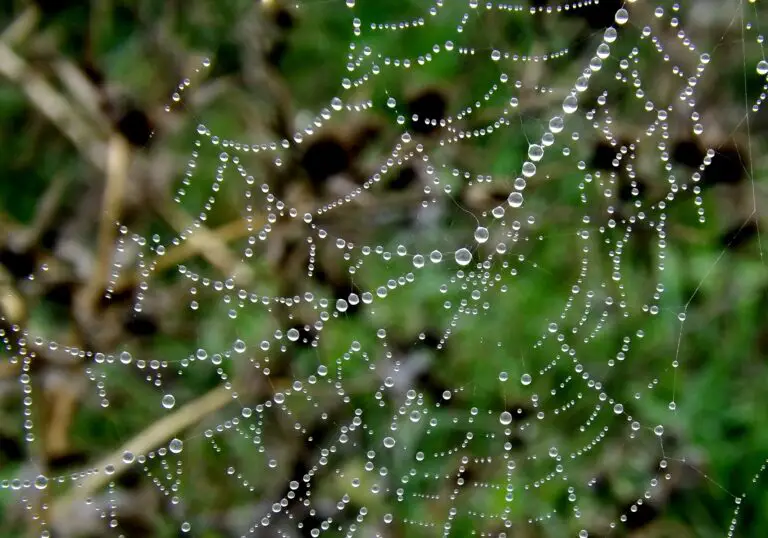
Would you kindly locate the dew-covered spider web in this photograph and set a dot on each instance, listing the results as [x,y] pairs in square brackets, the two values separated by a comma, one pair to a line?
[339,414]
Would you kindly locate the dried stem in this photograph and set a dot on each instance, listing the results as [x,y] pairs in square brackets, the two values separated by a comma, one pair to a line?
[159,432]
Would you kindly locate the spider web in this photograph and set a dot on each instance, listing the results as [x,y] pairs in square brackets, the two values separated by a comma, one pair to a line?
[380,455]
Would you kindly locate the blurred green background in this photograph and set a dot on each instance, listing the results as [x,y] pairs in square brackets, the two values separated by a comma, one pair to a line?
[92,135]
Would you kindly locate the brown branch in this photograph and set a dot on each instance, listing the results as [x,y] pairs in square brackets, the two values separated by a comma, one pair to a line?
[207,243]
[21,27]
[156,434]
[52,105]
[178,254]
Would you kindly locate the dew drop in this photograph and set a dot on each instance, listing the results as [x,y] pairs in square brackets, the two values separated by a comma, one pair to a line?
[168,401]
[463,256]
[535,152]
[515,199]
[41,482]
[481,234]
[176,445]
[556,124]
[570,104]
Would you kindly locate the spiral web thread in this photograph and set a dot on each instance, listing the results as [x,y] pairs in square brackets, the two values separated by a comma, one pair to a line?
[573,411]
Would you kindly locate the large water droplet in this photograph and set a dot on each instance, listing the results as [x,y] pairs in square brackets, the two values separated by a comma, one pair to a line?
[535,152]
[570,104]
[556,124]
[463,256]
[481,234]
[168,401]
[515,199]
[176,445]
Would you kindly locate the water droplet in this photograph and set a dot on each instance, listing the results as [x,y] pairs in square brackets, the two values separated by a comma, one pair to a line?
[481,234]
[463,256]
[526,379]
[535,152]
[570,104]
[505,418]
[618,409]
[168,401]
[239,346]
[389,442]
[176,445]
[762,67]
[556,124]
[515,199]
[658,430]
[622,16]
[529,169]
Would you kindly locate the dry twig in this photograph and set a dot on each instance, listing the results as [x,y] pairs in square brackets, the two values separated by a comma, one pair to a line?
[159,432]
